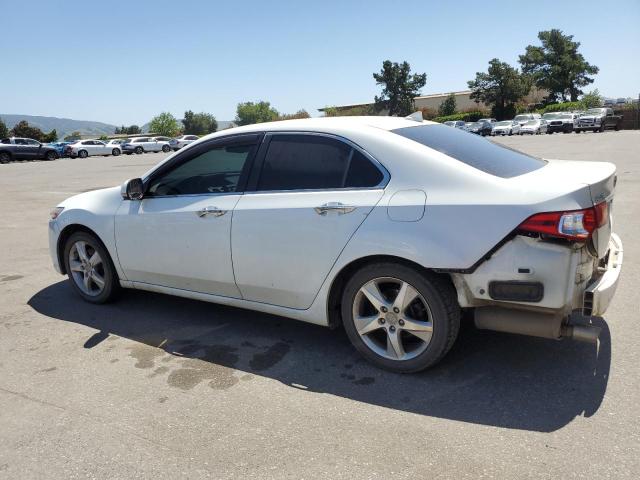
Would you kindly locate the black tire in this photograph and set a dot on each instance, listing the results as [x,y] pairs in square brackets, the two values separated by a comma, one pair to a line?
[442,301]
[5,157]
[115,152]
[602,127]
[617,127]
[139,150]
[51,156]
[83,154]
[112,284]
[166,148]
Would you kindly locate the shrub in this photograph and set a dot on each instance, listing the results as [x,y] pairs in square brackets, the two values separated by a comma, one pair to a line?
[472,116]
[561,107]
[350,112]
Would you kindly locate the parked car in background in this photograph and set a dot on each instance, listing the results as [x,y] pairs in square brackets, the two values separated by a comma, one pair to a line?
[162,139]
[183,141]
[17,148]
[598,119]
[145,144]
[390,246]
[60,147]
[534,127]
[506,127]
[91,148]
[563,122]
[490,120]
[480,128]
[525,117]
[117,143]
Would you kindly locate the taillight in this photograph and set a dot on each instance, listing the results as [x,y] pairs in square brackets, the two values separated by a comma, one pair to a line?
[575,225]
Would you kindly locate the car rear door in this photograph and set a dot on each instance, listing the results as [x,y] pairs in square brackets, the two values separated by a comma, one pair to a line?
[307,196]
[179,234]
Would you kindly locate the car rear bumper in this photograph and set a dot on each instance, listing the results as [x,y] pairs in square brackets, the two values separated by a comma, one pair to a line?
[598,294]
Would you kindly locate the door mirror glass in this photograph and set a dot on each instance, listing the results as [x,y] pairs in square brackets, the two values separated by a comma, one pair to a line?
[133,189]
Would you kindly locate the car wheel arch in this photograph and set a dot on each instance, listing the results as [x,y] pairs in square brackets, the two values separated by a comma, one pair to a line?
[64,236]
[334,298]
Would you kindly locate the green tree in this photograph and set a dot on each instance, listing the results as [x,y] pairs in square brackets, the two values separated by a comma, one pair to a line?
[23,129]
[164,124]
[350,111]
[73,136]
[592,99]
[448,106]
[199,123]
[52,136]
[132,130]
[4,131]
[501,87]
[557,67]
[292,116]
[249,112]
[400,87]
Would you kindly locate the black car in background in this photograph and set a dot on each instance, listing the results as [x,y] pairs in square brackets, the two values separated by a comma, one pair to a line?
[15,148]
[480,128]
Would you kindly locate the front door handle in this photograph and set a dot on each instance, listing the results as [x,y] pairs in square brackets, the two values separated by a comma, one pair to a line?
[338,207]
[215,211]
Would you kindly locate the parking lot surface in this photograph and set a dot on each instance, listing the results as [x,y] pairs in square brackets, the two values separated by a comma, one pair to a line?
[156,387]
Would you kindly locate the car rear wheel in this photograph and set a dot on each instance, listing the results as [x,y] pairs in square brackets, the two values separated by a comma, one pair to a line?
[139,150]
[90,269]
[51,156]
[5,157]
[115,152]
[83,154]
[166,148]
[398,318]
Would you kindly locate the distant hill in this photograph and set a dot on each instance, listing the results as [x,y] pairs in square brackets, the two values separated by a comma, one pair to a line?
[64,126]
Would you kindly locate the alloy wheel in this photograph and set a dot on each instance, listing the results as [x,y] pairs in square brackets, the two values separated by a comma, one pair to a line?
[392,318]
[87,268]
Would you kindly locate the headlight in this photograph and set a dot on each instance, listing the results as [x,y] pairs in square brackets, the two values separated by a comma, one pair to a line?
[56,212]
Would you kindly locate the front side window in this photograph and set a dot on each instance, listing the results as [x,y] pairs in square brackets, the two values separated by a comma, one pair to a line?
[217,170]
[28,141]
[312,162]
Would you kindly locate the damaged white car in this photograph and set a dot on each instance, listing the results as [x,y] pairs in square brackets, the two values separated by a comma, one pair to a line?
[387,226]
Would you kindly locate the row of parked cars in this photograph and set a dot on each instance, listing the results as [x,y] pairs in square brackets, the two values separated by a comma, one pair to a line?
[594,119]
[16,148]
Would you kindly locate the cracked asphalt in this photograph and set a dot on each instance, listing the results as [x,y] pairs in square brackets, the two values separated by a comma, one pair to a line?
[159,387]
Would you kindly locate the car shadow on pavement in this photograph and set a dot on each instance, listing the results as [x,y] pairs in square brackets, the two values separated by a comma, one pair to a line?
[488,378]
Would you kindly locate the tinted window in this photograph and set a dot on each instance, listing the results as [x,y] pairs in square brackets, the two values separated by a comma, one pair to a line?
[19,141]
[309,162]
[473,150]
[215,171]
[6,140]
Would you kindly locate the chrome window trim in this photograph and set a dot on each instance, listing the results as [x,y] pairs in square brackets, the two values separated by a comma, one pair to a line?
[386,176]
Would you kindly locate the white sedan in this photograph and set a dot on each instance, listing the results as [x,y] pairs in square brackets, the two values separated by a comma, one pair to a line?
[386,226]
[534,127]
[88,148]
[506,127]
[183,141]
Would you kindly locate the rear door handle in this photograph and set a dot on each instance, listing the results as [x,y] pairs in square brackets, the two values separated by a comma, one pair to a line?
[338,207]
[215,211]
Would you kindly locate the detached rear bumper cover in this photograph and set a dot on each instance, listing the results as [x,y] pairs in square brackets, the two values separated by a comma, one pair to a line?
[600,291]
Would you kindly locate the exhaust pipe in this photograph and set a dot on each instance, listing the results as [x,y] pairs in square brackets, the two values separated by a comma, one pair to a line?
[536,324]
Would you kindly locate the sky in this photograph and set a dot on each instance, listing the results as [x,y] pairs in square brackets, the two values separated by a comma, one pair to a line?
[122,62]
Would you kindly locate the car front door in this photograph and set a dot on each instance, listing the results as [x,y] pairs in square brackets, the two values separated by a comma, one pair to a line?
[179,234]
[32,149]
[307,196]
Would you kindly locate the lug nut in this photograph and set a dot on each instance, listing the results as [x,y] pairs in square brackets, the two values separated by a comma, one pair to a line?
[401,322]
[396,309]
[381,321]
[384,309]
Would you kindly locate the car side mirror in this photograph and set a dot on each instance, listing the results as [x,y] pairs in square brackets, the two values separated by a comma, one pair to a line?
[132,189]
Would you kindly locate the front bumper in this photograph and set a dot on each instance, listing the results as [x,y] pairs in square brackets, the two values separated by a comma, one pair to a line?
[598,294]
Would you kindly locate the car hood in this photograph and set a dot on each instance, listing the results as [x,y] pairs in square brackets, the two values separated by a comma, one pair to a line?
[104,198]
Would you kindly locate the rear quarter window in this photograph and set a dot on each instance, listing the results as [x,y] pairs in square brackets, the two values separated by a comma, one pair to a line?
[472,150]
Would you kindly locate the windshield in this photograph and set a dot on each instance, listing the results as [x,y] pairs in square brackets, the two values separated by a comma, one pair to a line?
[565,115]
[595,111]
[548,116]
[472,150]
[532,122]
[522,117]
[504,123]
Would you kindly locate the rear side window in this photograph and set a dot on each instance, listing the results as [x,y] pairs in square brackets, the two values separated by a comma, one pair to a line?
[473,150]
[311,162]
[6,140]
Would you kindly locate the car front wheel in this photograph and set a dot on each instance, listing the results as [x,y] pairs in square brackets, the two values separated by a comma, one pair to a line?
[166,148]
[90,268]
[398,318]
[115,152]
[139,150]
[83,154]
